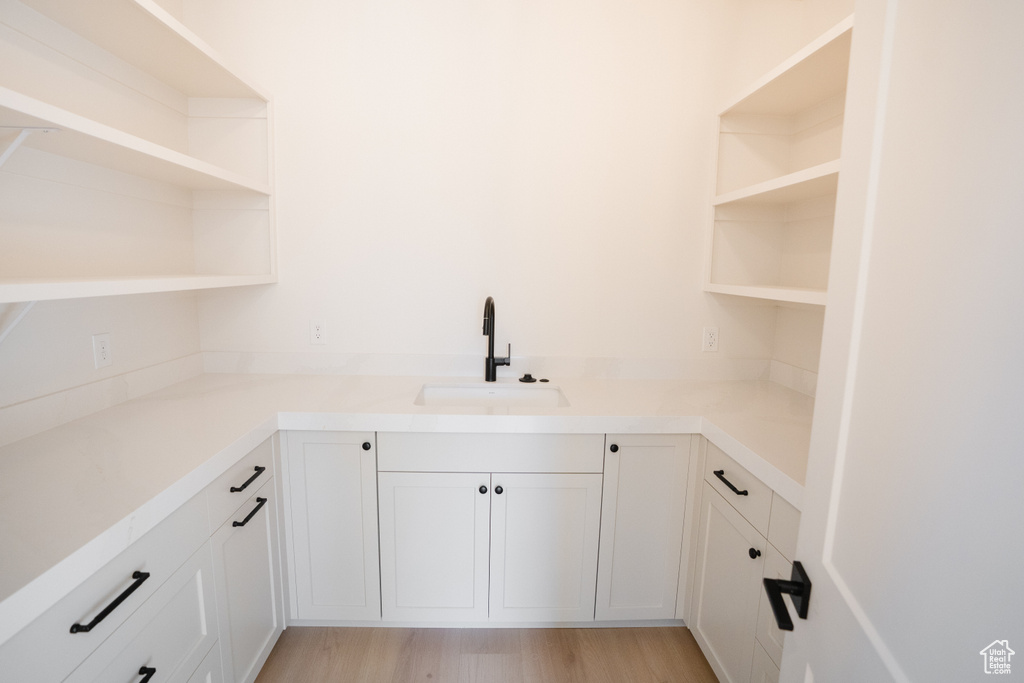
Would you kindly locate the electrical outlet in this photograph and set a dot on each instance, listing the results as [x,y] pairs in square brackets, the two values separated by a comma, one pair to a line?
[710,339]
[101,353]
[317,332]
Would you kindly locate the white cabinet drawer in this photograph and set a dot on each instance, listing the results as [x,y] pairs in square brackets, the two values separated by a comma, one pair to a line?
[170,634]
[434,452]
[751,498]
[47,651]
[231,489]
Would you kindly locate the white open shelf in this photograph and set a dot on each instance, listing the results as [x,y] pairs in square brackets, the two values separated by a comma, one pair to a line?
[812,75]
[792,295]
[779,143]
[18,290]
[155,170]
[144,34]
[794,187]
[85,140]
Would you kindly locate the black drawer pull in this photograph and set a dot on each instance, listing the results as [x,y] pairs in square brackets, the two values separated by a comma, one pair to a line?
[721,475]
[139,577]
[799,588]
[259,471]
[259,504]
[148,672]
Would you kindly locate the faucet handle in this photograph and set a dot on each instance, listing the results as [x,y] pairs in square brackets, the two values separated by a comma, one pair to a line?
[507,360]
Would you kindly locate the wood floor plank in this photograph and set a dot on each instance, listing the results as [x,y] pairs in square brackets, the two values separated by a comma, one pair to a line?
[613,655]
[672,654]
[490,668]
[297,651]
[431,655]
[401,655]
[490,641]
[551,655]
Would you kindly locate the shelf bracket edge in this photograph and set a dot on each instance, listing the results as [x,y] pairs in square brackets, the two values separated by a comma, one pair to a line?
[21,310]
[16,143]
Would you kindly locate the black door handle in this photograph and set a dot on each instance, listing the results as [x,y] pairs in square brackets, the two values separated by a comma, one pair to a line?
[799,588]
[139,577]
[259,471]
[259,503]
[148,672]
[721,475]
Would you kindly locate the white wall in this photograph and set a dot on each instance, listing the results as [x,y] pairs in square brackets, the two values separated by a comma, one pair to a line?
[46,362]
[554,155]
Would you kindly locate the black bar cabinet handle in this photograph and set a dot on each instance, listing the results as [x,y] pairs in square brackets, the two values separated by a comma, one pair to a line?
[139,577]
[259,471]
[799,588]
[148,672]
[721,475]
[259,504]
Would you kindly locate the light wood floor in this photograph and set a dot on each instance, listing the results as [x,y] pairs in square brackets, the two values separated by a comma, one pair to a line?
[392,655]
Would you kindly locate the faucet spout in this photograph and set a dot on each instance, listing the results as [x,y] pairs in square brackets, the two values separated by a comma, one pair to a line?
[491,363]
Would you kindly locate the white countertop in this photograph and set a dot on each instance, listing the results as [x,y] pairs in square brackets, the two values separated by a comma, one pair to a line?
[74,497]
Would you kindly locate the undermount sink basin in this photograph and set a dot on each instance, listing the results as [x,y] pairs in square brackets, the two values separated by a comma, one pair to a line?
[468,395]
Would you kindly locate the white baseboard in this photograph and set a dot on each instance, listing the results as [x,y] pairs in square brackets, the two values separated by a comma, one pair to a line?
[644,623]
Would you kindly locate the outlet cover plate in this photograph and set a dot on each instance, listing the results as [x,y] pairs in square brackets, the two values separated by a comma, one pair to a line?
[101,353]
[710,342]
[317,332]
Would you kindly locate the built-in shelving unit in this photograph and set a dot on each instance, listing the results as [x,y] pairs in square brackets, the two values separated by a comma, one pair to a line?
[149,167]
[777,172]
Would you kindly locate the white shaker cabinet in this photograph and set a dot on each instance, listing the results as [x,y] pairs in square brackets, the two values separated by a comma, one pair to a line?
[514,541]
[434,545]
[544,539]
[743,523]
[478,546]
[730,561]
[645,494]
[331,522]
[248,580]
[167,638]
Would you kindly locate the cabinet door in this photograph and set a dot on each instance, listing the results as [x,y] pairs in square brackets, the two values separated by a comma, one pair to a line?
[247,573]
[545,530]
[642,526]
[210,671]
[434,545]
[727,587]
[333,516]
[763,669]
[769,635]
